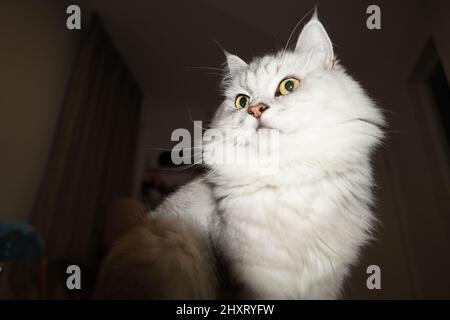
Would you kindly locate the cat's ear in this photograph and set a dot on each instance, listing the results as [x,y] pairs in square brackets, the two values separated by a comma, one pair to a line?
[314,38]
[234,63]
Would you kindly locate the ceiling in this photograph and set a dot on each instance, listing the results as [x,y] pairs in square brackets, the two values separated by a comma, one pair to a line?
[164,42]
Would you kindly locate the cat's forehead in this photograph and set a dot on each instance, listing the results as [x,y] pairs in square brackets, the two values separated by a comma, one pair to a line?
[267,64]
[262,74]
[272,65]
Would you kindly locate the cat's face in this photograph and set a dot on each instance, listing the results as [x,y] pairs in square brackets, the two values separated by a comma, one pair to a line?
[317,110]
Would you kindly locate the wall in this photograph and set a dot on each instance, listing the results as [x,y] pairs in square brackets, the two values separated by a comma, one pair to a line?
[36,59]
[418,178]
[413,243]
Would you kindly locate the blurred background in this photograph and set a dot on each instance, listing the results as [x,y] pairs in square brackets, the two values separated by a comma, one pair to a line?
[86,118]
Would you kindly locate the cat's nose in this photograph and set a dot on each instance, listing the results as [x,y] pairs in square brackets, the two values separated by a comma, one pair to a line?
[257,110]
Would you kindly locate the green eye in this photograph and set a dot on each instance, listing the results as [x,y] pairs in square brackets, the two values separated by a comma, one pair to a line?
[242,101]
[287,86]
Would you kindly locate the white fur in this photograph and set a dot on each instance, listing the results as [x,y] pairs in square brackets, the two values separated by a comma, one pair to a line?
[193,203]
[295,234]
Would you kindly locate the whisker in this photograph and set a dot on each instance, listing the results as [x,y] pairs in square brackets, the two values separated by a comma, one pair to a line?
[182,168]
[176,149]
[206,68]
[207,175]
[192,120]
[295,28]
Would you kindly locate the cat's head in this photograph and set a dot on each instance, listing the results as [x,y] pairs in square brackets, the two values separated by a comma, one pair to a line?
[319,114]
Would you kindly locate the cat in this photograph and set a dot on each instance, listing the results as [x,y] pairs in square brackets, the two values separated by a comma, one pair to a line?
[293,233]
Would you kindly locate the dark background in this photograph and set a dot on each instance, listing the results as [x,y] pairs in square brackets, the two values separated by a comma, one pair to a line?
[165,45]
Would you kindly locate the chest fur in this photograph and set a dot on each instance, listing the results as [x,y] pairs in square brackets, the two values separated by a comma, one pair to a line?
[289,225]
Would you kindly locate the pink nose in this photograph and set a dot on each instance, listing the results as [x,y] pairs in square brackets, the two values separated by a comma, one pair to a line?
[257,110]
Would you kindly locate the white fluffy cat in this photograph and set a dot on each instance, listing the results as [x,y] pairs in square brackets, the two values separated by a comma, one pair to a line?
[292,234]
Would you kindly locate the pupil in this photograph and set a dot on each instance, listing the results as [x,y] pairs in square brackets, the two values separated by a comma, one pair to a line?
[243,102]
[289,85]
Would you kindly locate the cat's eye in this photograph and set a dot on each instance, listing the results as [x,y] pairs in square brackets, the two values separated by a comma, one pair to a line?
[242,101]
[287,85]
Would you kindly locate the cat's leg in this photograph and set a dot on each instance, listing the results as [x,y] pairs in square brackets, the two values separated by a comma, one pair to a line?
[162,259]
[169,256]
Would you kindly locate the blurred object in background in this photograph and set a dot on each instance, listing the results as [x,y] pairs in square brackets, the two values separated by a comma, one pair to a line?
[23,273]
[159,182]
[19,243]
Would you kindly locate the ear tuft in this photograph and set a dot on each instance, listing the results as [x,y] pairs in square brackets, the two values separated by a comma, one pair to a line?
[315,15]
[234,63]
